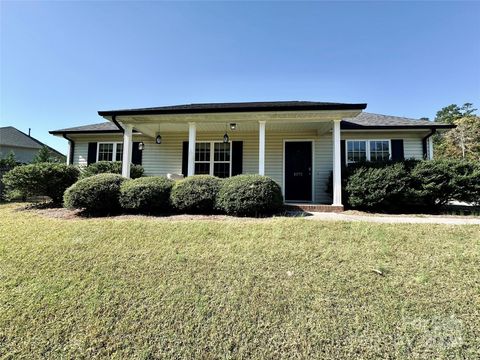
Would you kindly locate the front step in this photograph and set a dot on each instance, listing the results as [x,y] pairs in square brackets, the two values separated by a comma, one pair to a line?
[314,207]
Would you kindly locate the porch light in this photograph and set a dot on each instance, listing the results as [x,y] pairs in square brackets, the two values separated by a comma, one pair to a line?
[141,146]
[158,139]
[233,126]
[225,138]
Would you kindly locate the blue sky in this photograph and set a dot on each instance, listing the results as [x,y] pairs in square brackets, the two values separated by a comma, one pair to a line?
[61,62]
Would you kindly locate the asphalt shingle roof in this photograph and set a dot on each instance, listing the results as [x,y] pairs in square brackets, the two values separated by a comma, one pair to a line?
[10,136]
[362,121]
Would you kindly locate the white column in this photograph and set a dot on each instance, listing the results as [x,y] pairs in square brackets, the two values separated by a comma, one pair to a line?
[430,148]
[192,134]
[261,148]
[69,161]
[127,150]
[337,165]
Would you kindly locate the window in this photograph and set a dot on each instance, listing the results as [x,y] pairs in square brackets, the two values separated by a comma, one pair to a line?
[367,150]
[216,164]
[110,152]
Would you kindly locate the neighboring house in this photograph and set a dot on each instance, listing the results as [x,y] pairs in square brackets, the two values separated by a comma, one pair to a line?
[297,143]
[22,145]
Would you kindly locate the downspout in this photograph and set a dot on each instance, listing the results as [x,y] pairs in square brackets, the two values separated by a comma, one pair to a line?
[424,142]
[114,120]
[71,148]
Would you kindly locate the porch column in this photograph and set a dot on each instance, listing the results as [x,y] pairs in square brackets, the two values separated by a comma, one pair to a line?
[337,165]
[127,150]
[261,148]
[192,134]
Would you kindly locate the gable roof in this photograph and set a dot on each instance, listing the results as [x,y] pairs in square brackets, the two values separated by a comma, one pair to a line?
[366,121]
[11,136]
[236,107]
[371,121]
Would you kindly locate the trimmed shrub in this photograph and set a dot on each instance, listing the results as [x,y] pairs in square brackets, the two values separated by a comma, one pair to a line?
[195,194]
[41,179]
[467,182]
[377,188]
[98,194]
[249,195]
[111,167]
[146,194]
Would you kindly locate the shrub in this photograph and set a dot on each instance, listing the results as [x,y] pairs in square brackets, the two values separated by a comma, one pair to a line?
[467,182]
[146,194]
[249,195]
[41,179]
[377,188]
[433,183]
[98,194]
[195,194]
[111,167]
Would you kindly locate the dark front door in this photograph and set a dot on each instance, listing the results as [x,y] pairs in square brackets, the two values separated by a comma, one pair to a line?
[298,171]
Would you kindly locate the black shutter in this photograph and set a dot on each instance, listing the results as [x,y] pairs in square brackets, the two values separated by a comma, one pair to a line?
[237,157]
[185,158]
[397,150]
[92,153]
[136,154]
[343,153]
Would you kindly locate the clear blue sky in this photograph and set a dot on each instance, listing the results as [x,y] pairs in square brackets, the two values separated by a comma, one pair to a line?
[61,62]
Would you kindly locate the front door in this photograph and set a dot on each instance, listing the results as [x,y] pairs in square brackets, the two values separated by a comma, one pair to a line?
[298,171]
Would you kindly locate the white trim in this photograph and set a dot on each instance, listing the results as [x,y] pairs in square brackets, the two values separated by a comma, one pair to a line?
[212,161]
[312,141]
[367,148]
[337,163]
[114,154]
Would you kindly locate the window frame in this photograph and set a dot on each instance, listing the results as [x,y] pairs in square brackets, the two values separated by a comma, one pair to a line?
[367,149]
[114,153]
[212,161]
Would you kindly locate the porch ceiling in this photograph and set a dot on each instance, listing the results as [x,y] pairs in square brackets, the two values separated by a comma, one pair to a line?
[150,129]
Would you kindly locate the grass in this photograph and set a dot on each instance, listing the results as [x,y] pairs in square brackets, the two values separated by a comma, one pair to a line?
[264,289]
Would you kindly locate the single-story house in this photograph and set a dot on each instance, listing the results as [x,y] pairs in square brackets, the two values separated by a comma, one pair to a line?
[24,146]
[297,143]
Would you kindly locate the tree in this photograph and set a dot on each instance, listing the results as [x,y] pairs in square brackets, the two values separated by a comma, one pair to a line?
[9,161]
[462,142]
[43,155]
[450,113]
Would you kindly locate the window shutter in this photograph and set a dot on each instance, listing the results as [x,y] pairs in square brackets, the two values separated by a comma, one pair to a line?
[237,157]
[343,153]
[397,150]
[92,153]
[185,159]
[136,154]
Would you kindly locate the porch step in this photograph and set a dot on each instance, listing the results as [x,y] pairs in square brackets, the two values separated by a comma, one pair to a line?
[314,207]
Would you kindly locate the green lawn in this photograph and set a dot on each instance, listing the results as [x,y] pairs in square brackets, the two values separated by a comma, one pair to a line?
[264,289]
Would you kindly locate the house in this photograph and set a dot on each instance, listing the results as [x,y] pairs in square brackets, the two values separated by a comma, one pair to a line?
[24,147]
[297,143]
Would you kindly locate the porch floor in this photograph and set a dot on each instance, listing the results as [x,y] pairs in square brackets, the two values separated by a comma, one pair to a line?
[309,207]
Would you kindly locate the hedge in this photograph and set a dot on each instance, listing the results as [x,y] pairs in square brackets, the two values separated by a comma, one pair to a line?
[196,194]
[111,167]
[146,194]
[249,195]
[411,184]
[98,194]
[41,179]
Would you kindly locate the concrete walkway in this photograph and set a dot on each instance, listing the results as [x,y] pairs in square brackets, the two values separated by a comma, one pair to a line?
[396,219]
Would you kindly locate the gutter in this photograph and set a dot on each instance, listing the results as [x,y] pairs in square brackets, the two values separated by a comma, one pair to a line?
[71,148]
[424,142]
[114,120]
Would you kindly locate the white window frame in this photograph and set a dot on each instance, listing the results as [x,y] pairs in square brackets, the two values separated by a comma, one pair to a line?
[367,148]
[114,154]
[212,157]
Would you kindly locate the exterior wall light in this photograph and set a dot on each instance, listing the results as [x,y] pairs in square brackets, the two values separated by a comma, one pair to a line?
[225,138]
[158,139]
[141,146]
[233,126]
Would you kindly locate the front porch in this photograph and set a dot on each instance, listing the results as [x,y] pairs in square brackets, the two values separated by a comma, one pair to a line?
[299,150]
